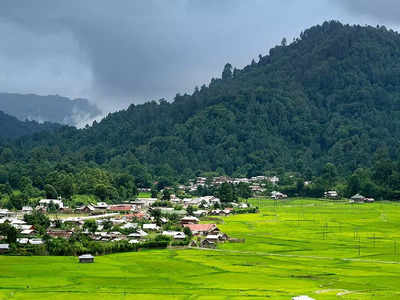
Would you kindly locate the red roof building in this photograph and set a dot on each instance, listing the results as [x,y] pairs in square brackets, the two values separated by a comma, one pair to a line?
[54,233]
[120,207]
[139,215]
[203,229]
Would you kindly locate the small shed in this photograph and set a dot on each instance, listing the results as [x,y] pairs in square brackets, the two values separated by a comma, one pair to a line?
[86,258]
[4,248]
[358,198]
[208,244]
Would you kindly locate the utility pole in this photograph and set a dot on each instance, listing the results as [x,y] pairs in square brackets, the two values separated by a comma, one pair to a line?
[326,231]
[374,238]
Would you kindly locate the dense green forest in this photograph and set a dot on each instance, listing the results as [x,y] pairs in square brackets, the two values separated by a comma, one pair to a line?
[12,128]
[327,103]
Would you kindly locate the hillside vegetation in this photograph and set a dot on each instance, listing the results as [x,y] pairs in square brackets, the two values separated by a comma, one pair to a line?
[12,128]
[330,98]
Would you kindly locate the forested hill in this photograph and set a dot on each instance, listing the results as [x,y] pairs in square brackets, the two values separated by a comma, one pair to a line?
[12,128]
[332,95]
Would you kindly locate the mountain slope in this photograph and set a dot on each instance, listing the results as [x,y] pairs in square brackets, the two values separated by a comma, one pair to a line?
[333,95]
[53,109]
[12,128]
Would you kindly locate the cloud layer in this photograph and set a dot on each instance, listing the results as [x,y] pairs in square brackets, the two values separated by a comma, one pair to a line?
[119,52]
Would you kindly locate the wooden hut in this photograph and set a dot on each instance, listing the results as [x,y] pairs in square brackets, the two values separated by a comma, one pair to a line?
[86,258]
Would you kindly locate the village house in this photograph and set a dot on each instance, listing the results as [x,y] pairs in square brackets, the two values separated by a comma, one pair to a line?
[200,213]
[36,241]
[257,188]
[24,227]
[86,258]
[116,221]
[16,223]
[278,195]
[138,215]
[274,180]
[202,229]
[138,234]
[177,235]
[152,227]
[216,212]
[44,203]
[147,201]
[208,244]
[120,208]
[129,226]
[189,220]
[59,233]
[101,236]
[217,237]
[331,195]
[227,211]
[258,178]
[139,204]
[357,198]
[22,241]
[4,248]
[26,209]
[101,206]
[85,209]
[28,232]
[212,237]
[6,213]
[175,200]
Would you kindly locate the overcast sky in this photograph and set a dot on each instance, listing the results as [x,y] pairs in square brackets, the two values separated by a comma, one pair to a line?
[120,52]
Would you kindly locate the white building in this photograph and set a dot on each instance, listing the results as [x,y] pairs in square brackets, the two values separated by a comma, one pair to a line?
[46,202]
[278,195]
[150,227]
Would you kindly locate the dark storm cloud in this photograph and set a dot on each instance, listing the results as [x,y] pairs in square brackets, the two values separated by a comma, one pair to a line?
[386,11]
[116,52]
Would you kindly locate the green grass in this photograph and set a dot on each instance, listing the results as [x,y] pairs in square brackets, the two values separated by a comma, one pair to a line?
[322,249]
[85,199]
[144,195]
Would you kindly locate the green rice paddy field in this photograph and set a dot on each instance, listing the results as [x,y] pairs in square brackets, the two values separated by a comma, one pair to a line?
[322,249]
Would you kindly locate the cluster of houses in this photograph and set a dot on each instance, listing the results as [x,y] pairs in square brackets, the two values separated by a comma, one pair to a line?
[127,221]
[357,198]
[205,235]
[137,231]
[27,232]
[257,184]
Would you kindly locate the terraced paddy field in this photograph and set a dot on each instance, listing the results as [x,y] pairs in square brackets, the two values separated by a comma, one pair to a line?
[325,250]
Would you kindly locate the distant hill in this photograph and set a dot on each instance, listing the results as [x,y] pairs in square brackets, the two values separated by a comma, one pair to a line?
[55,109]
[12,128]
